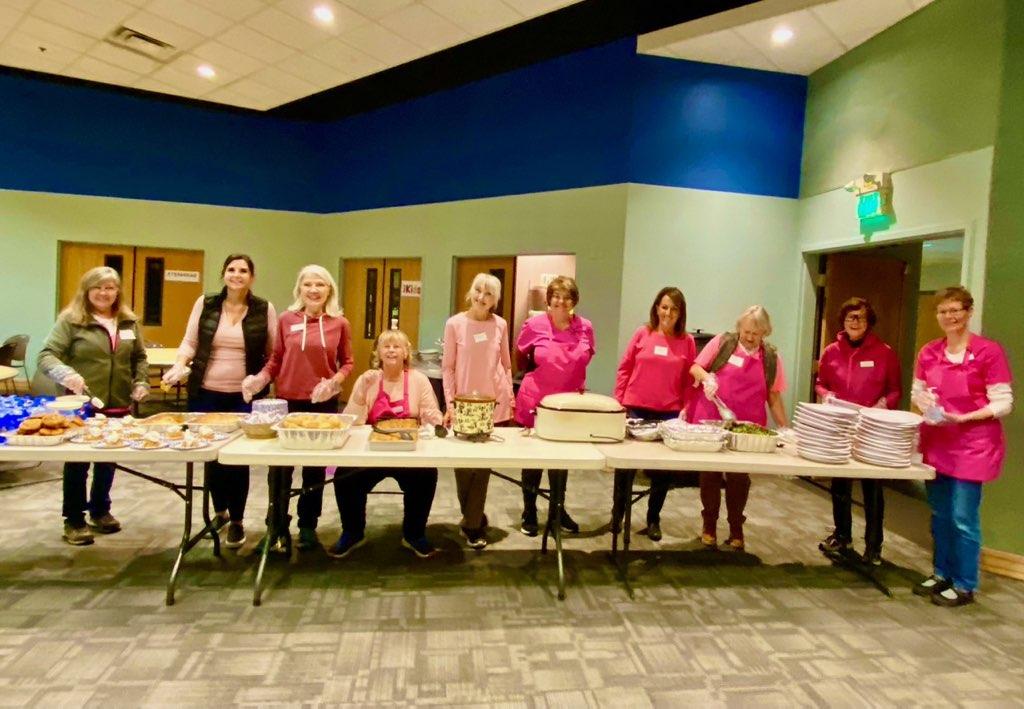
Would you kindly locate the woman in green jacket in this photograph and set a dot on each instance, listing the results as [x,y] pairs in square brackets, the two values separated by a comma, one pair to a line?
[96,343]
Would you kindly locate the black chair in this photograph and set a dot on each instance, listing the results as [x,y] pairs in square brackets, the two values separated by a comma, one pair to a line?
[19,354]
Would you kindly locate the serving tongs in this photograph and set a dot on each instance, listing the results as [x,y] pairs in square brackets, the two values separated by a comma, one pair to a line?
[402,434]
[724,411]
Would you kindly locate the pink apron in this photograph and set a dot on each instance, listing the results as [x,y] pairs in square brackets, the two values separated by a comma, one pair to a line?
[740,387]
[561,357]
[385,408]
[968,451]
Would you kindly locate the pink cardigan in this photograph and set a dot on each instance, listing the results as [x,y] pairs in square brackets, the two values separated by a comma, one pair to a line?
[476,359]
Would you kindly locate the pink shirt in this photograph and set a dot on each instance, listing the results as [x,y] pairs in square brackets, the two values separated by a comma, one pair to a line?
[654,372]
[307,350]
[710,351]
[225,368]
[861,374]
[973,450]
[476,359]
[561,358]
[741,385]
[422,402]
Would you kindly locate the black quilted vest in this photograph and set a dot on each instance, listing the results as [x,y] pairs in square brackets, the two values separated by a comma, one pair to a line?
[254,329]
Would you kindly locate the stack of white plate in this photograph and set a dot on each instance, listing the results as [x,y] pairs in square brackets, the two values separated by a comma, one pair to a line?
[886,438]
[824,433]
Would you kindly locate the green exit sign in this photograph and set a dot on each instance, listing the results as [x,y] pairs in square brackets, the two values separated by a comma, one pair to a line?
[869,205]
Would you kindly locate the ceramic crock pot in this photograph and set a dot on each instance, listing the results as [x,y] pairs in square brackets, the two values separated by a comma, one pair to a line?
[474,415]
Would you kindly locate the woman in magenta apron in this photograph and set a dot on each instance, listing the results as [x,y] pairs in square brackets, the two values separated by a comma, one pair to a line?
[745,372]
[554,350]
[858,367]
[390,390]
[962,383]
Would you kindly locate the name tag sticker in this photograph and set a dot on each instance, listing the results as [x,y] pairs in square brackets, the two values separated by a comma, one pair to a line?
[867,364]
[736,361]
[298,327]
[126,335]
[480,337]
[661,350]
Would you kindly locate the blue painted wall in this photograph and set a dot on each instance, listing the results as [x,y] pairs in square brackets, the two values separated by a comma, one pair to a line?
[89,140]
[596,117]
[714,127]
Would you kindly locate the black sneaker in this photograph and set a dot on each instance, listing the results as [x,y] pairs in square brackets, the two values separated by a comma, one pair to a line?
[308,539]
[77,536]
[932,584]
[833,544]
[568,523]
[345,545]
[475,538]
[530,527]
[653,531]
[873,557]
[952,597]
[420,547]
[105,524]
[236,535]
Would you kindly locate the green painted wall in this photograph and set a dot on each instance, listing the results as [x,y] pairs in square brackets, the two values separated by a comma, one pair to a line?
[1001,511]
[724,251]
[924,89]
[587,222]
[32,223]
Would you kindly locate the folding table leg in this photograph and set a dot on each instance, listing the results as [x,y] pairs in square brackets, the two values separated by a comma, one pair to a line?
[214,534]
[557,501]
[272,502]
[186,535]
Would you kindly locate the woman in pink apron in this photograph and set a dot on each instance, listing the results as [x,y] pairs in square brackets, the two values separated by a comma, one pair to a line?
[858,367]
[554,350]
[389,391]
[745,373]
[962,383]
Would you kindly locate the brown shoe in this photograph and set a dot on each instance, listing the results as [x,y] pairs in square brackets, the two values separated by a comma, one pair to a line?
[77,536]
[709,540]
[734,543]
[105,524]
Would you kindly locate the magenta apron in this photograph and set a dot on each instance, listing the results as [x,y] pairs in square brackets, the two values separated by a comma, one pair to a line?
[741,387]
[968,451]
[385,408]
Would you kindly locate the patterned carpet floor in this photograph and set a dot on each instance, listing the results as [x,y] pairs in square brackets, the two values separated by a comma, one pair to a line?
[776,626]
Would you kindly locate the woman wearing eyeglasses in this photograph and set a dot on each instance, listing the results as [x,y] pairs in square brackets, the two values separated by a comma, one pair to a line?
[962,383]
[858,367]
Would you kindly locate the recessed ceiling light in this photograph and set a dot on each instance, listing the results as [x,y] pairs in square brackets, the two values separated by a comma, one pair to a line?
[206,71]
[323,14]
[781,35]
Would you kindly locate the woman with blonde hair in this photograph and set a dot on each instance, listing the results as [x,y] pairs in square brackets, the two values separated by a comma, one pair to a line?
[744,372]
[96,343]
[391,390]
[311,358]
[476,361]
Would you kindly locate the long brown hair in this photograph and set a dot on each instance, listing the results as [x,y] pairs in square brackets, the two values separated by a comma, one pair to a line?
[678,300]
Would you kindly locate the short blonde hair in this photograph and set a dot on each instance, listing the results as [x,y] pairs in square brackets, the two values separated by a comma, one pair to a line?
[489,283]
[759,315]
[331,306]
[79,310]
[388,337]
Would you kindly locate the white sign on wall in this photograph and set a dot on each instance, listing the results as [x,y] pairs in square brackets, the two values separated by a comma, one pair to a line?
[182,276]
[412,289]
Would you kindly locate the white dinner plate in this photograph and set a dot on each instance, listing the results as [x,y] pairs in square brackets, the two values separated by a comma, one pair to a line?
[892,417]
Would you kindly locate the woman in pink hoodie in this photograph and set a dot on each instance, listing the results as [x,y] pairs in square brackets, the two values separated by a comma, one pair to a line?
[311,358]
[858,367]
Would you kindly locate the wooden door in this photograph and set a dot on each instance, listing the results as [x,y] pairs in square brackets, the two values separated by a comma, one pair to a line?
[167,283]
[378,294]
[502,267]
[77,258]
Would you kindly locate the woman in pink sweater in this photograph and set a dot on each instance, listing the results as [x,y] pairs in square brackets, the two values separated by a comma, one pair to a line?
[311,358]
[476,361]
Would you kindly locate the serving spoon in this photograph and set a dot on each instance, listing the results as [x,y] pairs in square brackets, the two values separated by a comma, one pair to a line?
[97,403]
[724,411]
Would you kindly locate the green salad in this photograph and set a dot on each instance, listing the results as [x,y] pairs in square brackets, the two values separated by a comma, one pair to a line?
[752,428]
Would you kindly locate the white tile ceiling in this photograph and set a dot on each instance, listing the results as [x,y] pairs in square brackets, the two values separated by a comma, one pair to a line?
[265,52]
[822,32]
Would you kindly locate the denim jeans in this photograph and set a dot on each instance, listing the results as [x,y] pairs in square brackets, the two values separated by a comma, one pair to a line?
[229,484]
[956,530]
[75,503]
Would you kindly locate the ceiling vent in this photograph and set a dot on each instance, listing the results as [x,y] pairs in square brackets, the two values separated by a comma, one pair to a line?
[135,41]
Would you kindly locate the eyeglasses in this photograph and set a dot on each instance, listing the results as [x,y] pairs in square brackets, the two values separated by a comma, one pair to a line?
[855,318]
[949,312]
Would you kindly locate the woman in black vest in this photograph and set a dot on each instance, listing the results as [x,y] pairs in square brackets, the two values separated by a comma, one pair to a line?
[229,336]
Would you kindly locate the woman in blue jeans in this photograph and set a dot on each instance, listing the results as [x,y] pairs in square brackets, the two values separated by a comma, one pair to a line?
[962,383]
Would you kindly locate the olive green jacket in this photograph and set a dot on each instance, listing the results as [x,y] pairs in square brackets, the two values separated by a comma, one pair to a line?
[85,349]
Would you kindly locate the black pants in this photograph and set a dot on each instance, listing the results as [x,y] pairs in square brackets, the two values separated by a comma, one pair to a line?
[279,479]
[531,478]
[75,503]
[874,511]
[229,484]
[661,480]
[352,486]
